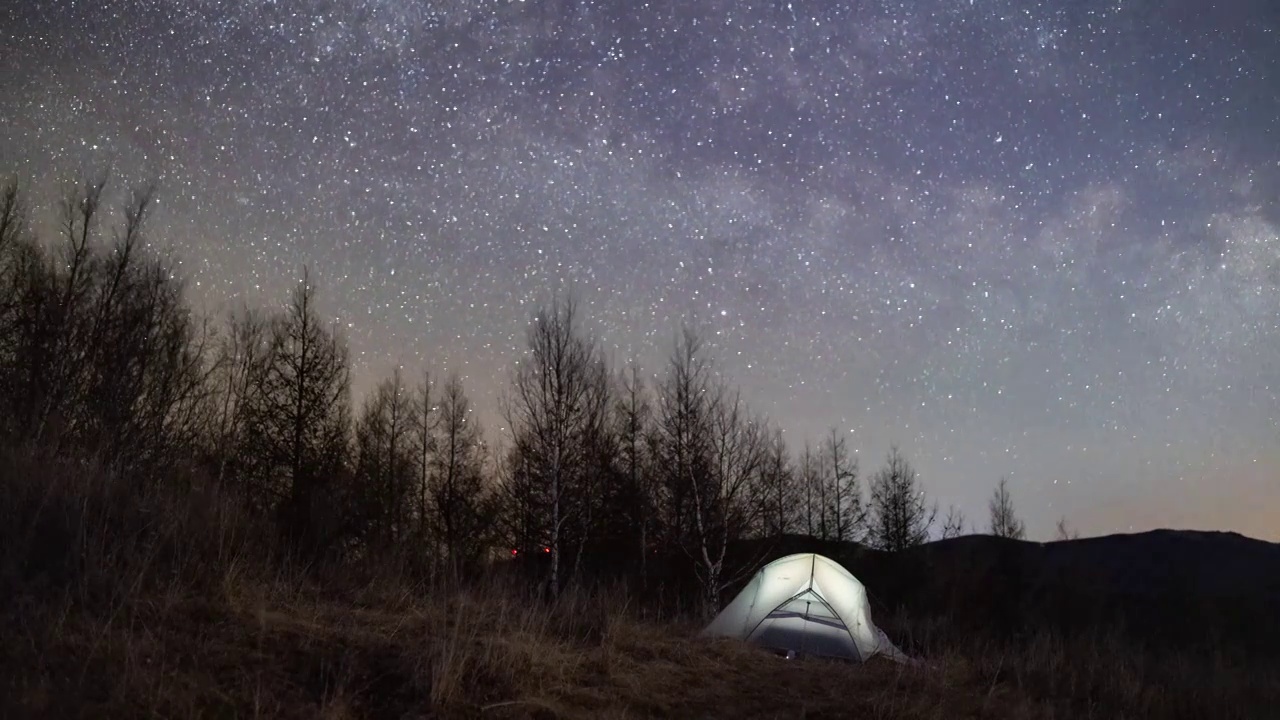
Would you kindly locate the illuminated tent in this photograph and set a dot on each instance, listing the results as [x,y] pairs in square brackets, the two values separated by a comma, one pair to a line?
[805,604]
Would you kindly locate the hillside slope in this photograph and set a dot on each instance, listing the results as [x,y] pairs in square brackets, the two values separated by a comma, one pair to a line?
[127,604]
[1200,591]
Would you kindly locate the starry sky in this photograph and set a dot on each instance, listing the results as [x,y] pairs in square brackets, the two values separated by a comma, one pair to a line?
[1037,240]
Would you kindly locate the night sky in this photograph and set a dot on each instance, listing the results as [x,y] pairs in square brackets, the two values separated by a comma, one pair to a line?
[1039,240]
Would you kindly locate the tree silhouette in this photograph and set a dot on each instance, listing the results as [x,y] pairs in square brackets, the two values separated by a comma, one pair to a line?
[632,508]
[775,490]
[1004,523]
[722,511]
[424,419]
[848,517]
[26,293]
[385,471]
[682,435]
[809,477]
[240,359]
[953,524]
[103,359]
[97,346]
[1064,531]
[550,412]
[298,422]
[461,500]
[899,517]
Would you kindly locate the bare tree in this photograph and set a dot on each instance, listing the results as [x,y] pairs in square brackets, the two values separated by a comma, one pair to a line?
[597,478]
[13,231]
[13,214]
[722,511]
[550,411]
[900,519]
[460,496]
[635,497]
[30,321]
[682,436]
[524,505]
[1065,532]
[424,421]
[846,513]
[709,451]
[385,464]
[164,383]
[15,302]
[241,358]
[953,524]
[1004,523]
[99,351]
[299,420]
[775,490]
[68,317]
[813,491]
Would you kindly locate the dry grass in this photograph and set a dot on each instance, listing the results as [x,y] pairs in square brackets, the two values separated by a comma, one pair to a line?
[469,657]
[134,605]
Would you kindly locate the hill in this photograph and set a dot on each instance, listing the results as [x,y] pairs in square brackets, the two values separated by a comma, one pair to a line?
[1195,591]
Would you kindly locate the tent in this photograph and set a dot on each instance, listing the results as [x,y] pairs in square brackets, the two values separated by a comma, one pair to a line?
[805,604]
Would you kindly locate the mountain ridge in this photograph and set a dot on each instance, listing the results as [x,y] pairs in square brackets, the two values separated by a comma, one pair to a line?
[1152,586]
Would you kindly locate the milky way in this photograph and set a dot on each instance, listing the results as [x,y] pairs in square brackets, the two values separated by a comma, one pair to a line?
[1039,240]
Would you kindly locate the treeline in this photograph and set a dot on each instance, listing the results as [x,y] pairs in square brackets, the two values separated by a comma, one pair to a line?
[607,472]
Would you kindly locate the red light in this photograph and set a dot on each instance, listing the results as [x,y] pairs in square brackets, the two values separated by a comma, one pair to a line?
[546,549]
[514,551]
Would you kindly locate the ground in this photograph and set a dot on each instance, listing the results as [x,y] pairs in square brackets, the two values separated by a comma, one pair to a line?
[485,653]
[124,604]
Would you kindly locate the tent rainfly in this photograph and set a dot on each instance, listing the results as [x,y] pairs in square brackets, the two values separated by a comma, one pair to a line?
[805,604]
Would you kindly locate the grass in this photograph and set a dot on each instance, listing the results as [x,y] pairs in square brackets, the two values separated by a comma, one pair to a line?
[129,603]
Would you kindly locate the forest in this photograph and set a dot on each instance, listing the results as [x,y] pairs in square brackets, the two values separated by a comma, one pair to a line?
[603,473]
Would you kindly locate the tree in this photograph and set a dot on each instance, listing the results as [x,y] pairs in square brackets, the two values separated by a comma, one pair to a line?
[1004,523]
[13,217]
[298,422]
[551,414]
[524,505]
[708,452]
[775,489]
[385,459]
[1064,532]
[460,498]
[14,275]
[423,421]
[30,333]
[721,507]
[13,233]
[813,492]
[900,519]
[953,525]
[633,502]
[847,518]
[682,439]
[598,479]
[98,348]
[240,359]
[62,323]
